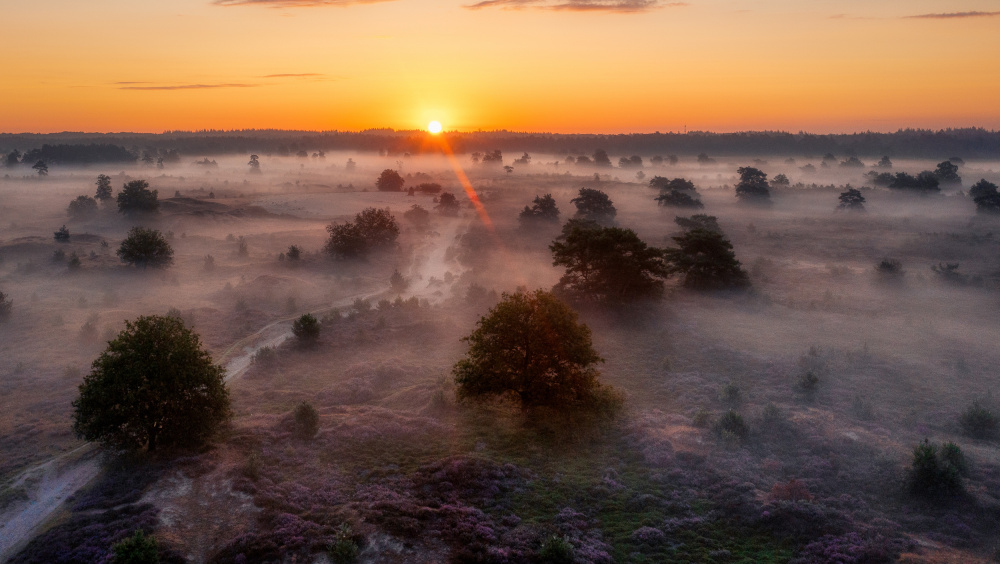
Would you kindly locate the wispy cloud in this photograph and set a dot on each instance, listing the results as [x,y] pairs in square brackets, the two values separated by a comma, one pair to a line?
[295,3]
[953,15]
[619,6]
[290,75]
[125,86]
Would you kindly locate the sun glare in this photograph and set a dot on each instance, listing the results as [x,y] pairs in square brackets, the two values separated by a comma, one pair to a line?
[434,127]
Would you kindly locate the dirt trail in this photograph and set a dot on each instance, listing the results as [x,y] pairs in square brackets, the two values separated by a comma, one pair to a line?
[49,484]
[46,486]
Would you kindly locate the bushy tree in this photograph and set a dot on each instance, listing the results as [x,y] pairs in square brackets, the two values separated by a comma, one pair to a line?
[530,345]
[926,181]
[448,204]
[294,253]
[606,264]
[780,180]
[371,229]
[543,209]
[146,248]
[254,164]
[594,205]
[852,162]
[82,207]
[306,330]
[933,475]
[306,420]
[418,216]
[136,198]
[103,188]
[852,200]
[979,421]
[601,159]
[41,168]
[153,386]
[982,188]
[986,197]
[752,186]
[397,282]
[62,235]
[678,199]
[885,163]
[947,173]
[707,261]
[389,181]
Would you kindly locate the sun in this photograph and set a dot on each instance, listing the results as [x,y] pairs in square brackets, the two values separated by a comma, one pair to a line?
[434,127]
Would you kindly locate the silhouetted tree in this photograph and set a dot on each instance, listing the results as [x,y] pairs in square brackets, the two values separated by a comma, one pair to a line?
[884,164]
[82,207]
[635,161]
[704,159]
[306,420]
[417,215]
[601,159]
[543,209]
[678,199]
[13,158]
[780,181]
[752,186]
[371,229]
[594,205]
[103,188]
[294,253]
[531,346]
[448,204]
[524,160]
[982,188]
[926,181]
[985,195]
[606,264]
[146,248]
[707,261]
[947,173]
[389,181]
[350,165]
[62,235]
[852,162]
[306,329]
[153,386]
[397,282]
[852,200]
[493,158]
[41,168]
[254,164]
[933,475]
[136,197]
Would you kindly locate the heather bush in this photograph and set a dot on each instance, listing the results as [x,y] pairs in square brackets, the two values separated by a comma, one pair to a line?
[136,549]
[343,549]
[978,421]
[556,550]
[264,357]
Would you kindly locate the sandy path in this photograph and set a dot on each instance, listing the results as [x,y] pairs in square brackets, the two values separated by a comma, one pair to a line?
[47,486]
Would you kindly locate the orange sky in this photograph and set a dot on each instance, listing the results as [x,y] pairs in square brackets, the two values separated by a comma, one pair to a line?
[540,65]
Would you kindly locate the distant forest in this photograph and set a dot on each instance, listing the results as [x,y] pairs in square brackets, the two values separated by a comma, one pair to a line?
[81,148]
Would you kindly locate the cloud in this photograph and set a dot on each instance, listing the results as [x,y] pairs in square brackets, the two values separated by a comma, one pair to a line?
[953,15]
[619,6]
[181,86]
[295,3]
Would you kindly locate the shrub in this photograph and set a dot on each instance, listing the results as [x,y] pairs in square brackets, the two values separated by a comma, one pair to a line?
[448,204]
[265,356]
[542,209]
[294,253]
[707,261]
[209,263]
[731,395]
[556,550]
[136,197]
[978,421]
[343,549]
[397,282]
[146,248]
[306,421]
[753,186]
[371,229]
[678,199]
[6,306]
[82,207]
[389,181]
[889,268]
[952,454]
[74,261]
[136,549]
[732,423]
[62,235]
[594,205]
[931,475]
[306,330]
[808,383]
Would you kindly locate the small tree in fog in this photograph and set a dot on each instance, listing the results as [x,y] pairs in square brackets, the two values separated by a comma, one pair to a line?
[371,229]
[678,199]
[601,159]
[389,181]
[306,330]
[933,473]
[707,261]
[418,216]
[780,180]
[306,420]
[254,164]
[82,207]
[294,253]
[62,235]
[542,209]
[397,282]
[6,306]
[752,186]
[153,386]
[103,188]
[146,248]
[852,200]
[986,197]
[606,264]
[531,346]
[41,168]
[594,205]
[947,173]
[136,198]
[448,204]
[885,163]
[979,421]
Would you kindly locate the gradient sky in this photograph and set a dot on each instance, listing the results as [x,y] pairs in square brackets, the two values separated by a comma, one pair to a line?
[539,65]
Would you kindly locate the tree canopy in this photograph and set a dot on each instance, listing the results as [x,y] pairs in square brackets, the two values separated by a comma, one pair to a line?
[752,186]
[594,205]
[606,264]
[707,261]
[82,207]
[947,173]
[389,181]
[984,194]
[136,197]
[103,188]
[852,199]
[153,386]
[371,229]
[530,345]
[146,248]
[542,209]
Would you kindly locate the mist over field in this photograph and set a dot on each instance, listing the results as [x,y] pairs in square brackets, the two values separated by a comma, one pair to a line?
[776,421]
